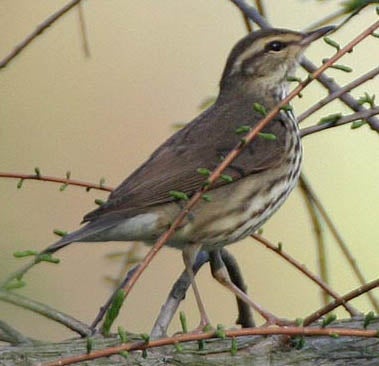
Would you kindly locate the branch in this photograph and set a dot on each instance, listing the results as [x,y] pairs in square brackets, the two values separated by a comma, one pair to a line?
[336,94]
[83,30]
[40,28]
[346,98]
[365,114]
[215,336]
[251,13]
[338,302]
[46,311]
[64,181]
[306,272]
[319,236]
[10,335]
[343,246]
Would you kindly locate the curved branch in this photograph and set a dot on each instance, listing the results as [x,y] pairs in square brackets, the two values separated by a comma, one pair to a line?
[45,310]
[40,28]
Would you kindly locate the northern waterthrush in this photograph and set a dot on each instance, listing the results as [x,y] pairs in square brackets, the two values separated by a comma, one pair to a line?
[262,176]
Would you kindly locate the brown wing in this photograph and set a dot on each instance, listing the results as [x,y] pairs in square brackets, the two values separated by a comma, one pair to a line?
[201,144]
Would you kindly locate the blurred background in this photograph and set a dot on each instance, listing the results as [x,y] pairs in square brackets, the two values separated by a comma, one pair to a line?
[152,64]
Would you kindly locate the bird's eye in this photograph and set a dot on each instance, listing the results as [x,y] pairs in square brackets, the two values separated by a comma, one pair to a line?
[275,46]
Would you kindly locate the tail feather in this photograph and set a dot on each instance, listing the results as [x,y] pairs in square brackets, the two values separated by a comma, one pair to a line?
[64,241]
[88,233]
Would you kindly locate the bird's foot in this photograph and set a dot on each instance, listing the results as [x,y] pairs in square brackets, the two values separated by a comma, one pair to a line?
[280,322]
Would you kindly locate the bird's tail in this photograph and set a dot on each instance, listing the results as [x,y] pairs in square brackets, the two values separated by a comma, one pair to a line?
[63,242]
[88,233]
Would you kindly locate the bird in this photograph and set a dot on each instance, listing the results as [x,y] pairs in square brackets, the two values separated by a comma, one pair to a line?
[143,206]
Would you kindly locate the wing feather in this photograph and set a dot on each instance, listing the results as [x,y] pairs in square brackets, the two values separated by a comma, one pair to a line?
[201,144]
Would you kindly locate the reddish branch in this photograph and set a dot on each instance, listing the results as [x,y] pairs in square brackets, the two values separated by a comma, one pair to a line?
[290,331]
[70,182]
[307,273]
[336,303]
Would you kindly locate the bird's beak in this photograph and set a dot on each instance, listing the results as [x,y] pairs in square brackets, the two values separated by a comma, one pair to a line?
[316,34]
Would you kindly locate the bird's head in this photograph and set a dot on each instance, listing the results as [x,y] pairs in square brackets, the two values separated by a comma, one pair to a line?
[264,59]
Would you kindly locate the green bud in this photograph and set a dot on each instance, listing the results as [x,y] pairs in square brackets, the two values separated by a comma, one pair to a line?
[260,109]
[24,253]
[234,348]
[204,171]
[183,322]
[368,319]
[89,344]
[38,172]
[357,124]
[226,178]
[59,232]
[331,118]
[242,129]
[332,43]
[113,311]
[179,195]
[267,136]
[328,319]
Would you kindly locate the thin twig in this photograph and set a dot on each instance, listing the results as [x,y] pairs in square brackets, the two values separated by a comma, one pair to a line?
[346,98]
[237,150]
[342,300]
[83,30]
[248,24]
[70,182]
[336,94]
[339,13]
[320,238]
[327,20]
[365,115]
[261,8]
[343,246]
[305,271]
[40,28]
[251,13]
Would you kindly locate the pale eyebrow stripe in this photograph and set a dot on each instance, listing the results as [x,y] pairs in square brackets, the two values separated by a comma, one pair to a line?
[258,47]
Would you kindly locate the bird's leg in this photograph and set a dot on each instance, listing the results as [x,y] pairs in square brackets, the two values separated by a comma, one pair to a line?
[189,256]
[245,316]
[220,273]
